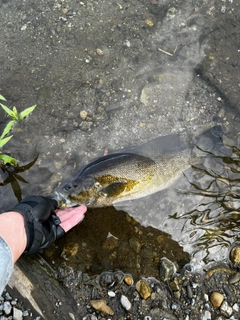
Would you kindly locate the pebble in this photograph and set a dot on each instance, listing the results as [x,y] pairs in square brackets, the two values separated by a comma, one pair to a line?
[101,305]
[17,314]
[234,278]
[135,245]
[100,52]
[64,10]
[125,302]
[143,289]
[235,255]
[83,114]
[7,308]
[216,299]
[207,315]
[226,310]
[128,280]
[25,313]
[167,269]
[111,294]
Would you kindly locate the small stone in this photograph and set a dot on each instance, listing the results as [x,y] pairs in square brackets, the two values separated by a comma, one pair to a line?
[135,245]
[101,305]
[7,308]
[17,314]
[235,255]
[167,269]
[235,307]
[25,313]
[125,302]
[100,52]
[111,294]
[64,10]
[174,285]
[149,22]
[226,310]
[143,289]
[7,296]
[216,299]
[128,280]
[83,114]
[207,315]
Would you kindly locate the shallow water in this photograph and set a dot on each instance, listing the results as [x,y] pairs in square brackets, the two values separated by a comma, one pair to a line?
[132,93]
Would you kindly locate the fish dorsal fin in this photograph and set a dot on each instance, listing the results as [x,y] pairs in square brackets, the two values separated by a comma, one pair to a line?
[119,155]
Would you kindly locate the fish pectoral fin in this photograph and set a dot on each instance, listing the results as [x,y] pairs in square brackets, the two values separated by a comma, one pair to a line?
[113,189]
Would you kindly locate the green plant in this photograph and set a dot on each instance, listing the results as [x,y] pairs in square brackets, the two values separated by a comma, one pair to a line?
[16,116]
[13,176]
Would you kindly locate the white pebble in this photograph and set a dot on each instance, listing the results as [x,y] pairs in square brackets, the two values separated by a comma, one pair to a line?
[235,307]
[17,314]
[7,307]
[111,294]
[125,302]
[207,315]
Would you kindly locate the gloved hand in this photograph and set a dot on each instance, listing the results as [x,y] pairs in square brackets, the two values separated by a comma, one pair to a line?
[41,223]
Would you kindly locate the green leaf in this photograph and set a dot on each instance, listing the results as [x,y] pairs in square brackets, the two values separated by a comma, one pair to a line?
[15,112]
[7,159]
[26,112]
[9,111]
[2,98]
[7,129]
[4,141]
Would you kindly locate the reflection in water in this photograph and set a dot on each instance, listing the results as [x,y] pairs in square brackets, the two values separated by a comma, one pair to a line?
[214,223]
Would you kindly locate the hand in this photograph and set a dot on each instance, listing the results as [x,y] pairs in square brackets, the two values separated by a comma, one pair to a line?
[43,226]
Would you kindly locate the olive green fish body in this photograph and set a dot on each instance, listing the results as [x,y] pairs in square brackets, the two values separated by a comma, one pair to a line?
[138,172]
[122,176]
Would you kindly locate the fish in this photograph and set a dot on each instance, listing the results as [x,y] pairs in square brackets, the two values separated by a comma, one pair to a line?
[128,175]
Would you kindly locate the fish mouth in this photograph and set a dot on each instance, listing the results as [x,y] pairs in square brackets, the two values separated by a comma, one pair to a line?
[62,200]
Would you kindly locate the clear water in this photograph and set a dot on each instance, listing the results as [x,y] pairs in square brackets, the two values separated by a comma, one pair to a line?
[132,93]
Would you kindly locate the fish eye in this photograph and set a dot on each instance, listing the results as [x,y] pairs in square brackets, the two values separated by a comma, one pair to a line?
[67,187]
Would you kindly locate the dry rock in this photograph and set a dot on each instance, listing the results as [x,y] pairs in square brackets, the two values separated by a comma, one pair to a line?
[216,299]
[143,289]
[101,305]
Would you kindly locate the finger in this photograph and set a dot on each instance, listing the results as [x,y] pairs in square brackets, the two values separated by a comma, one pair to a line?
[64,213]
[71,217]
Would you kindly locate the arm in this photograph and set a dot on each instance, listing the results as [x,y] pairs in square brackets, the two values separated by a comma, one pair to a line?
[15,239]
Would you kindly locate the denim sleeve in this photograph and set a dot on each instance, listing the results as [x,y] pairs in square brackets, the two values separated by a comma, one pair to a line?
[6,264]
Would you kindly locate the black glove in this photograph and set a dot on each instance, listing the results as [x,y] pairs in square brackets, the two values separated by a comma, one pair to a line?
[41,223]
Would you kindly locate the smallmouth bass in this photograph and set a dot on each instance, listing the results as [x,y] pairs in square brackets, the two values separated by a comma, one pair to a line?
[121,176]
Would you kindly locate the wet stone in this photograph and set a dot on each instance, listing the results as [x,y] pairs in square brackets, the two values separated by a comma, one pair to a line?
[216,299]
[143,289]
[128,280]
[135,245]
[110,244]
[174,285]
[234,278]
[167,269]
[226,309]
[235,256]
